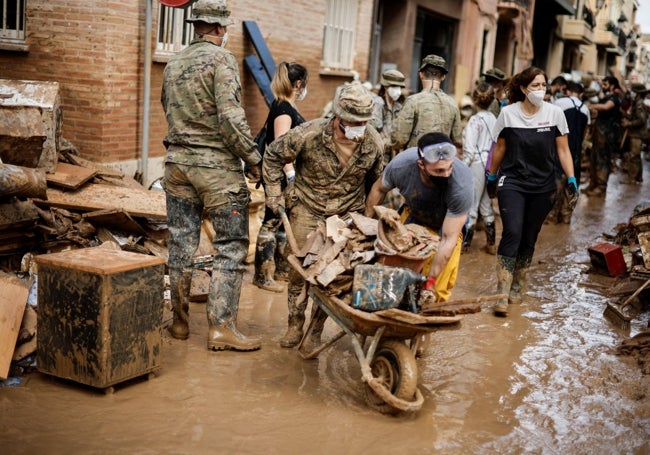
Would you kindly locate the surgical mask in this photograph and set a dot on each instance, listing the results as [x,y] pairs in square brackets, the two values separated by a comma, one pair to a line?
[394,92]
[466,112]
[301,96]
[440,182]
[536,97]
[354,133]
[224,39]
[647,102]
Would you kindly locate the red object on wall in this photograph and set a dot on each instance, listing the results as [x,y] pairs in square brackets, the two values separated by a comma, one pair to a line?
[176,3]
[608,258]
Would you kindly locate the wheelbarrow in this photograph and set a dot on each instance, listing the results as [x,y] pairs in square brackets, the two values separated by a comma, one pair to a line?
[384,346]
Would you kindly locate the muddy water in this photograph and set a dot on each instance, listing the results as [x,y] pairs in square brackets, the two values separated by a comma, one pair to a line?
[544,380]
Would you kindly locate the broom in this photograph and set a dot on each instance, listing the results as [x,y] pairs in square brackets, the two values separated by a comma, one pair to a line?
[615,314]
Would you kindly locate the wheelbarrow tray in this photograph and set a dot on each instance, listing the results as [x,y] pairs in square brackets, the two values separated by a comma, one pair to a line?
[366,323]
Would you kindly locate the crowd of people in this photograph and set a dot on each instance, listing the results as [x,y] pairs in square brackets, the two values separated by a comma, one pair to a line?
[521,140]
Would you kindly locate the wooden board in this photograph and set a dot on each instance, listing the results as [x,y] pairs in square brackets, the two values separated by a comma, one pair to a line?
[145,203]
[18,214]
[114,218]
[70,176]
[12,306]
[412,318]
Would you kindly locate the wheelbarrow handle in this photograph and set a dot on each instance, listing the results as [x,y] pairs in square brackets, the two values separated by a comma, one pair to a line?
[287,228]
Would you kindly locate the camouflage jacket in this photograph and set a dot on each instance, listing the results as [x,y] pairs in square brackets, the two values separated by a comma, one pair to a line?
[426,112]
[321,183]
[636,119]
[201,97]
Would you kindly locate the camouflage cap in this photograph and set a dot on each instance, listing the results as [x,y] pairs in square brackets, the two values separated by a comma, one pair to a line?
[354,103]
[639,88]
[392,77]
[495,73]
[211,12]
[434,60]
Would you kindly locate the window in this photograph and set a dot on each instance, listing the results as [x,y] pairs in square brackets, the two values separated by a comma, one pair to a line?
[12,24]
[174,34]
[339,35]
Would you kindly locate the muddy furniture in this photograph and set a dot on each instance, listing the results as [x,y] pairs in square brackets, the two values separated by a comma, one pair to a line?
[100,315]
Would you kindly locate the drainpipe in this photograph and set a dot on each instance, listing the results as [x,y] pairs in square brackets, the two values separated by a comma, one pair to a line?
[144,155]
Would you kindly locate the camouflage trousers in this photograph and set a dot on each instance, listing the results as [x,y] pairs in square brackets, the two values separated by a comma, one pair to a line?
[191,191]
[633,159]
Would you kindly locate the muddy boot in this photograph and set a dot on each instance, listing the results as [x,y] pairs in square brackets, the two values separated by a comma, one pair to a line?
[505,267]
[297,305]
[467,240]
[490,238]
[180,296]
[281,251]
[265,262]
[227,336]
[519,283]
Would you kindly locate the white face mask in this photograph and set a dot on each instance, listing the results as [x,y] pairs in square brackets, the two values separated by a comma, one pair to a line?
[301,96]
[394,92]
[354,133]
[224,39]
[536,97]
[647,102]
[466,112]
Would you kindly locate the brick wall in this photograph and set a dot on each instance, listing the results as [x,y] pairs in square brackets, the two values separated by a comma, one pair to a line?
[95,51]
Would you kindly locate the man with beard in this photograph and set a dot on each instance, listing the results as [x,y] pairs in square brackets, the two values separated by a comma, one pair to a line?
[438,189]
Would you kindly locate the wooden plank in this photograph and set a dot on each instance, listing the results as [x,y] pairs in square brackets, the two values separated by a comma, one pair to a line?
[136,202]
[255,35]
[261,78]
[412,318]
[17,214]
[114,218]
[70,176]
[13,299]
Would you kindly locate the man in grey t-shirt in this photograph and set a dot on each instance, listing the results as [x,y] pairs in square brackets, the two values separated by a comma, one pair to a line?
[438,190]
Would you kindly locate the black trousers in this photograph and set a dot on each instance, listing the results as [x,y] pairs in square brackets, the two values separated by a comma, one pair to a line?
[522,215]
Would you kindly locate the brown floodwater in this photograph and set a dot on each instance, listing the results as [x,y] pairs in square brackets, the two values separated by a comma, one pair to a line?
[544,380]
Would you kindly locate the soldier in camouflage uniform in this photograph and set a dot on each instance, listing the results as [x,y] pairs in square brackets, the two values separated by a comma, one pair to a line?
[636,125]
[430,111]
[497,79]
[388,104]
[336,161]
[207,140]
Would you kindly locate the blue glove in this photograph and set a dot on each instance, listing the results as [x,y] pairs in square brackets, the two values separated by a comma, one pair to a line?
[492,185]
[571,192]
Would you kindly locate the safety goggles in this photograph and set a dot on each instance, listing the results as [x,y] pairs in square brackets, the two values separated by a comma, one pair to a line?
[436,152]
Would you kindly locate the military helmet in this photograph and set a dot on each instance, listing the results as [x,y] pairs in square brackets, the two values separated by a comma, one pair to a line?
[392,77]
[495,73]
[211,12]
[353,103]
[434,60]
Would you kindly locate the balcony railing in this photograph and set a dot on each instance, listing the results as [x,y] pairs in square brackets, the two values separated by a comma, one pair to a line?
[577,30]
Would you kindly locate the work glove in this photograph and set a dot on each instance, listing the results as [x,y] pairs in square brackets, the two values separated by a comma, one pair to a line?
[492,181]
[273,202]
[254,174]
[571,192]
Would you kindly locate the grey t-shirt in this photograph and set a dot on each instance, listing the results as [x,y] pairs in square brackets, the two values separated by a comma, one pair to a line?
[429,205]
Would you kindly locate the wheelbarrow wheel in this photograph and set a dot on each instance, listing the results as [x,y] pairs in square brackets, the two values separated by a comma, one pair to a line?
[395,367]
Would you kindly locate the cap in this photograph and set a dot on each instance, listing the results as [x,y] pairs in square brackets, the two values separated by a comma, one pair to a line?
[392,77]
[211,12]
[354,103]
[434,60]
[639,88]
[495,73]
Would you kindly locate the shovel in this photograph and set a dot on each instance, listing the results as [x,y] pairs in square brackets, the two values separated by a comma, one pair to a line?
[615,313]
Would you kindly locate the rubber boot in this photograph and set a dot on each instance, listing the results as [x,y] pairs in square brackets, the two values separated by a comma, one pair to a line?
[490,238]
[296,320]
[519,282]
[282,266]
[505,267]
[180,297]
[228,337]
[467,240]
[265,262]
